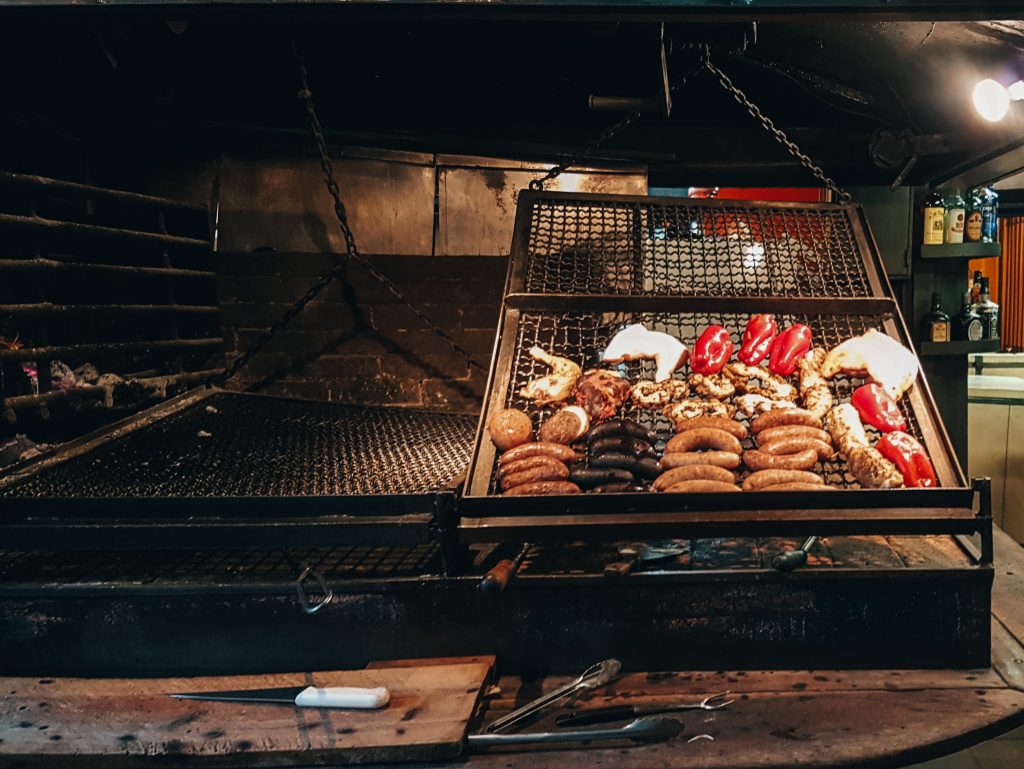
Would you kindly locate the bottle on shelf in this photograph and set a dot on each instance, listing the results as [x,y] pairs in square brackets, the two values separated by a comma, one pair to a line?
[973,224]
[956,212]
[934,211]
[988,311]
[936,322]
[967,325]
[989,199]
[975,285]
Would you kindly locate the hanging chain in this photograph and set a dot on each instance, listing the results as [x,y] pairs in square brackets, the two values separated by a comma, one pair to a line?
[351,252]
[588,151]
[778,133]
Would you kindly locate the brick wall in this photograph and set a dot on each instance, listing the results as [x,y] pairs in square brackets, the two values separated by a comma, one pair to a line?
[356,343]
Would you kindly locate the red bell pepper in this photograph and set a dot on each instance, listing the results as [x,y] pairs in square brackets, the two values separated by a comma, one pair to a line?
[788,348]
[757,339]
[712,351]
[877,408]
[909,456]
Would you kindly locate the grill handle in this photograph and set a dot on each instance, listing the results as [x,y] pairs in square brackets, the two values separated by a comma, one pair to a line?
[502,573]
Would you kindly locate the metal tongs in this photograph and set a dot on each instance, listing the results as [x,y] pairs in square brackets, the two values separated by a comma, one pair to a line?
[597,675]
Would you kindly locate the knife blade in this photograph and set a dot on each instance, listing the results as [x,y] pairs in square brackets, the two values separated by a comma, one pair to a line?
[300,696]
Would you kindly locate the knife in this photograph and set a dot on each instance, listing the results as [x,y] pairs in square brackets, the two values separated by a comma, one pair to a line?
[300,696]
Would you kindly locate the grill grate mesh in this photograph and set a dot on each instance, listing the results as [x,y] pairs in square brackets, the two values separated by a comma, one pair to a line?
[216,566]
[247,446]
[582,337]
[661,249]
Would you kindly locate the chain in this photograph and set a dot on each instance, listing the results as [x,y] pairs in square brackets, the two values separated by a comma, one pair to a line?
[351,252]
[778,133]
[588,151]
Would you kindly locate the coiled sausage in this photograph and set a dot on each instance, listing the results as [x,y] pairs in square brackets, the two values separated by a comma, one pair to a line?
[759,460]
[704,438]
[780,417]
[693,473]
[764,478]
[542,488]
[700,486]
[731,426]
[556,450]
[724,459]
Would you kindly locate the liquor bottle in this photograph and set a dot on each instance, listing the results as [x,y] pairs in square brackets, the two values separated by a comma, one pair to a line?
[989,215]
[988,311]
[975,284]
[934,219]
[936,322]
[967,325]
[973,226]
[956,212]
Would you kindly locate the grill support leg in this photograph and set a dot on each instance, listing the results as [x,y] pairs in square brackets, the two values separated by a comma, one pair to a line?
[984,488]
[454,554]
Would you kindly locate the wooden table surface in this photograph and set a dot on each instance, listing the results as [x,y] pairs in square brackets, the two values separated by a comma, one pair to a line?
[821,718]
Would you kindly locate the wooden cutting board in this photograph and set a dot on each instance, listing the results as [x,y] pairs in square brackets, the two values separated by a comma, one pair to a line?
[126,722]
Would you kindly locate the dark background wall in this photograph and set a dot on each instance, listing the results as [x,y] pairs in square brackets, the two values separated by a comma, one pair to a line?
[356,343]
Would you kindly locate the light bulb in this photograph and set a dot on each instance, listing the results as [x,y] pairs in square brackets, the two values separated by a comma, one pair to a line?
[991,99]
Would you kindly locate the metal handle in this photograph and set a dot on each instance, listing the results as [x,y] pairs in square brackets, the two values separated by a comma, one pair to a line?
[596,716]
[641,730]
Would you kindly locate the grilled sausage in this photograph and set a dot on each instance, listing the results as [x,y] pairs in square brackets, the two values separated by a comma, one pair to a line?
[704,438]
[543,473]
[700,486]
[645,467]
[793,431]
[779,417]
[615,427]
[541,460]
[543,488]
[731,426]
[798,486]
[764,478]
[556,450]
[600,476]
[623,444]
[798,444]
[724,459]
[693,473]
[617,488]
[759,460]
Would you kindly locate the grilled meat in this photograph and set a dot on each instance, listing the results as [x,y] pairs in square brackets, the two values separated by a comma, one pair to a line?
[847,431]
[601,393]
[656,395]
[872,470]
[877,356]
[814,390]
[678,413]
[635,342]
[757,380]
[717,386]
[556,386]
[752,404]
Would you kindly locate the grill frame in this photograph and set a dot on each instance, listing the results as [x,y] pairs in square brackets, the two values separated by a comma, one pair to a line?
[948,509]
[170,522]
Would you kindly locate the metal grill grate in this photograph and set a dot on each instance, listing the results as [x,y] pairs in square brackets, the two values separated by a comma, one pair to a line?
[216,566]
[584,246]
[582,337]
[248,446]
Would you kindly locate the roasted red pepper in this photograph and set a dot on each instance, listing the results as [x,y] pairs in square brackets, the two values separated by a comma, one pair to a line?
[909,456]
[757,339]
[788,348]
[712,351]
[877,408]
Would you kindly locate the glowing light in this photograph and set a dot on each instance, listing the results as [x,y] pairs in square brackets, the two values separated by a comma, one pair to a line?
[753,256]
[991,99]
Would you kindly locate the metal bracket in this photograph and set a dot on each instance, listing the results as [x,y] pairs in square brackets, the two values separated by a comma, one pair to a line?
[308,606]
[984,488]
[446,528]
[662,101]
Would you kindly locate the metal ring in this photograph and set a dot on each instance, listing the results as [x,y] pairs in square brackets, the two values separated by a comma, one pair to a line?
[312,608]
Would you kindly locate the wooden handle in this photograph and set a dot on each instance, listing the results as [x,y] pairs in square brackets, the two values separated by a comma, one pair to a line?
[498,577]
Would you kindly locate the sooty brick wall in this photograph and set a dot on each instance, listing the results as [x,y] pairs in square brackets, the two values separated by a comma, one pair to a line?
[356,343]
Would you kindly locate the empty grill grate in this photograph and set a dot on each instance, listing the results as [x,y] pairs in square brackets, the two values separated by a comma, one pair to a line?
[216,566]
[232,445]
[690,248]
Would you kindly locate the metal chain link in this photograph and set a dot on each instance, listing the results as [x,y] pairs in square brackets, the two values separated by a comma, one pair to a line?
[351,252]
[778,133]
[589,150]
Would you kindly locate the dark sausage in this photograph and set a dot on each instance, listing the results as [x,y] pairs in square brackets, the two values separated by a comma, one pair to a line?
[645,467]
[614,427]
[599,476]
[623,444]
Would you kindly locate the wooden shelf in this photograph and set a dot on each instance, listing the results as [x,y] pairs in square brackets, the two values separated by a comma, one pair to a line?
[959,347]
[960,250]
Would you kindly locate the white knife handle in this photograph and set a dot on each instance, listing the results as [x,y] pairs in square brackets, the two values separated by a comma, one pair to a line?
[342,697]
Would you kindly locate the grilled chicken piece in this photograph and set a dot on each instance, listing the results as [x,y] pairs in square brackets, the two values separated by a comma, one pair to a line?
[717,386]
[556,386]
[694,407]
[656,395]
[637,343]
[601,393]
[877,356]
[847,431]
[752,404]
[814,390]
[758,380]
[872,470]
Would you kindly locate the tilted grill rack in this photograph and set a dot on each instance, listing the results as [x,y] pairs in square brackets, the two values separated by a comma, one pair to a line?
[214,468]
[584,266]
